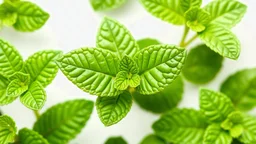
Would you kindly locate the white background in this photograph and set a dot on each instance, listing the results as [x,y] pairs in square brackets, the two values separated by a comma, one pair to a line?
[73,24]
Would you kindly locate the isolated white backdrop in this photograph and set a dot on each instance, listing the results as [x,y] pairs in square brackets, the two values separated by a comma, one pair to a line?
[73,24]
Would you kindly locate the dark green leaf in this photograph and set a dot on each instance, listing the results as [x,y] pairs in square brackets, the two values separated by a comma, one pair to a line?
[152,139]
[116,140]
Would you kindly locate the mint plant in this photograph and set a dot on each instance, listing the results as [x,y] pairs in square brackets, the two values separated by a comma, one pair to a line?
[103,5]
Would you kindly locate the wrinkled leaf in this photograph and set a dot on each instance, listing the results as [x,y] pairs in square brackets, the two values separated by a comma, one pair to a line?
[27,136]
[4,100]
[7,129]
[127,64]
[215,135]
[101,5]
[187,4]
[249,133]
[16,88]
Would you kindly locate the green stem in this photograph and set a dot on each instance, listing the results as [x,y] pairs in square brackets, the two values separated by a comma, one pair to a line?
[190,40]
[36,114]
[186,30]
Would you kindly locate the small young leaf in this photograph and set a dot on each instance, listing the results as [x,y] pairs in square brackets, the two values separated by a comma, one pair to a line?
[92,70]
[127,64]
[167,10]
[226,13]
[114,37]
[7,129]
[159,65]
[30,16]
[215,106]
[202,65]
[27,136]
[62,122]
[215,135]
[35,97]
[16,88]
[116,140]
[134,81]
[111,110]
[249,133]
[121,80]
[236,131]
[4,100]
[101,5]
[8,16]
[152,139]
[181,126]
[25,78]
[187,4]
[221,40]
[164,100]
[233,119]
[143,43]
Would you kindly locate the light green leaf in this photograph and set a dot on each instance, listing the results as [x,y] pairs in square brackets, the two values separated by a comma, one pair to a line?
[121,80]
[30,16]
[236,131]
[4,100]
[152,139]
[10,59]
[35,97]
[8,16]
[202,65]
[143,43]
[226,13]
[159,65]
[249,133]
[62,122]
[114,37]
[25,78]
[27,136]
[241,88]
[233,119]
[215,135]
[92,70]
[101,5]
[164,100]
[7,129]
[216,106]
[167,10]
[222,41]
[127,64]
[111,110]
[187,4]
[116,140]
[41,66]
[181,126]
[134,81]
[16,88]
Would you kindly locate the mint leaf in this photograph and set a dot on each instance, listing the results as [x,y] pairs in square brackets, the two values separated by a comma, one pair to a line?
[35,97]
[8,16]
[152,139]
[111,110]
[7,130]
[215,135]
[240,87]
[236,131]
[249,133]
[30,16]
[159,65]
[62,122]
[202,65]
[127,64]
[116,140]
[216,106]
[167,10]
[92,70]
[164,100]
[25,78]
[27,136]
[101,5]
[121,80]
[222,41]
[10,59]
[134,81]
[16,88]
[187,4]
[175,126]
[143,43]
[226,13]
[4,100]
[114,37]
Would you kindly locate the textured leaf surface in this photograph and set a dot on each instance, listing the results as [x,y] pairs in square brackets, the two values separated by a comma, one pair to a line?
[215,135]
[25,78]
[4,100]
[8,16]
[249,134]
[167,10]
[143,43]
[114,37]
[99,5]
[215,106]
[164,100]
[152,139]
[92,70]
[27,136]
[7,129]
[226,13]
[186,4]
[16,88]
[30,16]
[159,65]
[10,59]
[202,65]
[111,110]
[64,121]
[41,66]
[241,88]
[181,126]
[221,41]
[116,140]
[35,97]
[127,64]
[121,80]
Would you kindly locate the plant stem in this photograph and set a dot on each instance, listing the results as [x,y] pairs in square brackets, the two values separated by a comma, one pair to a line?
[190,40]
[36,114]
[186,30]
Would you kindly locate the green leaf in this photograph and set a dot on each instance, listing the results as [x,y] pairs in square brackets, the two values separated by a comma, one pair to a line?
[8,16]
[62,122]
[222,41]
[127,64]
[16,88]
[202,65]
[4,100]
[121,80]
[232,120]
[249,133]
[35,97]
[143,43]
[215,135]
[236,131]
[10,59]
[30,16]
[181,126]
[27,136]
[240,87]
[25,78]
[92,70]
[7,130]
[102,5]
[134,81]
[159,65]
[216,106]
[114,37]
[152,139]
[167,10]
[111,110]
[41,66]
[116,140]
[187,4]
[164,100]
[226,13]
